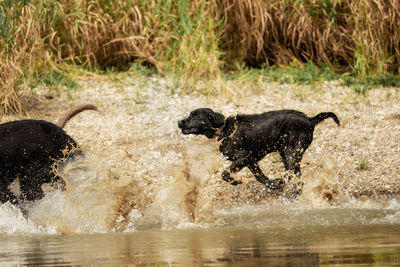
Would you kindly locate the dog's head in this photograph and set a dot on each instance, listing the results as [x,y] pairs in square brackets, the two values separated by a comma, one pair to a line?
[202,121]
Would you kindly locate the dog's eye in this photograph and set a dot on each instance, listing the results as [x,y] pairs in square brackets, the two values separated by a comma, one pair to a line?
[210,118]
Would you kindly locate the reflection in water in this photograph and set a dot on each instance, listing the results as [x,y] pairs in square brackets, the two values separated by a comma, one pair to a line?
[228,246]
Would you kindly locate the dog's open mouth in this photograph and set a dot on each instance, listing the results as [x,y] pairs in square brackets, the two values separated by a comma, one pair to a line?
[189,130]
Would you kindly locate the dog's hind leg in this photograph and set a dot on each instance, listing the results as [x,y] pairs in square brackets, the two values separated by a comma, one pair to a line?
[292,157]
[257,172]
[31,186]
[276,184]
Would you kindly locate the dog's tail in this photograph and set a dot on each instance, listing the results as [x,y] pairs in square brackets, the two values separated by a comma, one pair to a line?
[322,116]
[71,113]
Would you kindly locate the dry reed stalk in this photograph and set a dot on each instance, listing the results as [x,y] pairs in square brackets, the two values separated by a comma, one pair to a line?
[277,32]
[376,36]
[103,34]
[27,59]
[9,100]
[199,44]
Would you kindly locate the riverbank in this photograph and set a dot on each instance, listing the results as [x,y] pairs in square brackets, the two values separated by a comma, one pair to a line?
[136,135]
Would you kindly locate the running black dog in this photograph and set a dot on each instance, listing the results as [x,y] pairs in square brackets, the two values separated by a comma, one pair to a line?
[28,150]
[246,139]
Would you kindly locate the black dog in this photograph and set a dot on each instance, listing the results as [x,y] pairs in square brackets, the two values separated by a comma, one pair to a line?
[28,150]
[246,139]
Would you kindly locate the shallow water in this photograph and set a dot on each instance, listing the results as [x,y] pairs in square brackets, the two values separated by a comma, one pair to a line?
[299,238]
[101,220]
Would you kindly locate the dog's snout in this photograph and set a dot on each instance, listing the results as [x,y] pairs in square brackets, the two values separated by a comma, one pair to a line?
[181,123]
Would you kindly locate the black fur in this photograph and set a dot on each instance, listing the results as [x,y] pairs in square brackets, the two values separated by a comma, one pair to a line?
[246,139]
[28,150]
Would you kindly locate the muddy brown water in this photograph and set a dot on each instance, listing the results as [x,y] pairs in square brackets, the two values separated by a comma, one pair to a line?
[85,226]
[309,238]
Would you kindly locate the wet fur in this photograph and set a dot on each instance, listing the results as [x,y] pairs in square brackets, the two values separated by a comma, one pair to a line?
[246,139]
[28,149]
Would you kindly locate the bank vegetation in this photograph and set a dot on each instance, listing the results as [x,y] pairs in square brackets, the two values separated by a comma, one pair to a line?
[46,41]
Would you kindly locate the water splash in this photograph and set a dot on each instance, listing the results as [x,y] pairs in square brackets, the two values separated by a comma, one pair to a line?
[13,221]
[322,186]
[185,201]
[392,218]
[96,202]
[90,202]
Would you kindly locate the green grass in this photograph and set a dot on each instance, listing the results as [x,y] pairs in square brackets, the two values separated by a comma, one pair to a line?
[295,73]
[311,74]
[362,84]
[363,163]
[55,79]
[139,69]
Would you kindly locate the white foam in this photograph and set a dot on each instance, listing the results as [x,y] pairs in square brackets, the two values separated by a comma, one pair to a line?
[13,221]
[92,200]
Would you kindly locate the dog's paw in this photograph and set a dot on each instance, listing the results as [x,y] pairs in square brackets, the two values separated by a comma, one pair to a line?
[290,175]
[276,185]
[236,182]
[226,176]
[293,190]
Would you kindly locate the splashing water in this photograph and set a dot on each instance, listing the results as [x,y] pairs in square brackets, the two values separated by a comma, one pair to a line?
[185,202]
[89,203]
[322,187]
[95,202]
[13,221]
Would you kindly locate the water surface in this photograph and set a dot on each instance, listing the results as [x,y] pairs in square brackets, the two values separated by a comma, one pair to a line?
[98,221]
[273,238]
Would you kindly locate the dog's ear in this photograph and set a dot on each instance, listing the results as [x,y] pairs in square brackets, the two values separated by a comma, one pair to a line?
[219,120]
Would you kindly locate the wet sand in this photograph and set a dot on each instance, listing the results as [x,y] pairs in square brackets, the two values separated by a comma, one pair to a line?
[137,137]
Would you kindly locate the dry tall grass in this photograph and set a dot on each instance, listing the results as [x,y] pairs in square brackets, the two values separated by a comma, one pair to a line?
[102,33]
[277,32]
[24,54]
[193,39]
[376,36]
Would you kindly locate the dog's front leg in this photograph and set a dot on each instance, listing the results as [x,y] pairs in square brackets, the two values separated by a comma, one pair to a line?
[276,184]
[235,167]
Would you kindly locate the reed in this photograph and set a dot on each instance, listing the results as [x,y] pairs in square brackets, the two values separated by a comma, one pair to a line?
[376,36]
[24,54]
[192,40]
[278,32]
